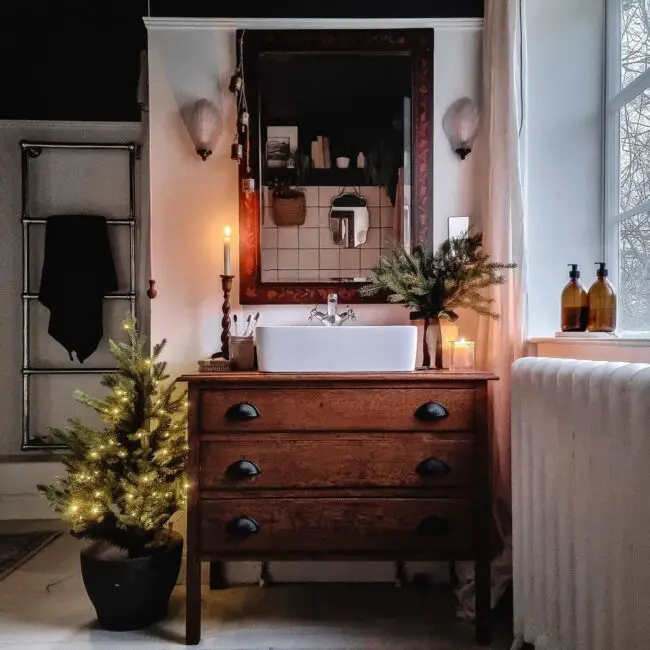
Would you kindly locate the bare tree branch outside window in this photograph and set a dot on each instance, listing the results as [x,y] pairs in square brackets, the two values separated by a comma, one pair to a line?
[634,166]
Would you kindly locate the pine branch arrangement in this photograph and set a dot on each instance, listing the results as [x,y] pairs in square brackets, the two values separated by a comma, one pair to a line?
[126,478]
[436,285]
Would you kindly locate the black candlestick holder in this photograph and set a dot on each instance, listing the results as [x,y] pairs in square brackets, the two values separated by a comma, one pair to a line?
[226,308]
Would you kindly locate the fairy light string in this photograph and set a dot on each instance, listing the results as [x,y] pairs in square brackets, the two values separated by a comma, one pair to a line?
[126,477]
[241,140]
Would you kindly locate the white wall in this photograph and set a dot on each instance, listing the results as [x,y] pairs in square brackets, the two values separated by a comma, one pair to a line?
[456,70]
[192,201]
[564,112]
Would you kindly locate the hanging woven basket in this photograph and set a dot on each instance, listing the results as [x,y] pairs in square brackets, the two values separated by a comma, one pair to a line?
[289,210]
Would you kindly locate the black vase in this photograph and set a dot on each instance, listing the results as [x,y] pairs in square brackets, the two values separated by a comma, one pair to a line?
[132,593]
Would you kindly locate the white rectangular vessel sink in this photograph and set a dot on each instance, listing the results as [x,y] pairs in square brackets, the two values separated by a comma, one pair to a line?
[355,348]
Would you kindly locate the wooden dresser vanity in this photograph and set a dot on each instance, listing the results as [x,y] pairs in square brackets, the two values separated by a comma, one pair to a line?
[391,466]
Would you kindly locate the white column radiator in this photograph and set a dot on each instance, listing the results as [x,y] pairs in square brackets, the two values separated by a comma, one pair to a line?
[581,504]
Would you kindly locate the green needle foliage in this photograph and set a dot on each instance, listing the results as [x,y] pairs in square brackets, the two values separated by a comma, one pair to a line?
[126,478]
[436,285]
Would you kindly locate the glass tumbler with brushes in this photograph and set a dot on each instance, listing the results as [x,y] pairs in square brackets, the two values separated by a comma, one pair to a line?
[242,348]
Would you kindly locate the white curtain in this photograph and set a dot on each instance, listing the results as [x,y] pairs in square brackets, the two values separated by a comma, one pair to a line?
[500,213]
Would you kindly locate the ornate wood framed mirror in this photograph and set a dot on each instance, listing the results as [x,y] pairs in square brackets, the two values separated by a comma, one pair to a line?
[340,150]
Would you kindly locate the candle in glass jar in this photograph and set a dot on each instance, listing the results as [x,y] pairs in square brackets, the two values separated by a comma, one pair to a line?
[226,251]
[462,355]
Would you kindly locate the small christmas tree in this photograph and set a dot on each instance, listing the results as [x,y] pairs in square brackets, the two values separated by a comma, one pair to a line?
[126,479]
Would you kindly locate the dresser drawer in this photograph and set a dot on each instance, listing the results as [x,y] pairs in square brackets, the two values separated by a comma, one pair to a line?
[363,409]
[332,525]
[254,461]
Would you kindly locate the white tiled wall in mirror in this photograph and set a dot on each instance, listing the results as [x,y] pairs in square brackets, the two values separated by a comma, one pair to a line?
[307,253]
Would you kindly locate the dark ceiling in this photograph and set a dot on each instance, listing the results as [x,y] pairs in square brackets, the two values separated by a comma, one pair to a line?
[72,60]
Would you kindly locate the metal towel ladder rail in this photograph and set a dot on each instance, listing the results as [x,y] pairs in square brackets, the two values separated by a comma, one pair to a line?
[30,150]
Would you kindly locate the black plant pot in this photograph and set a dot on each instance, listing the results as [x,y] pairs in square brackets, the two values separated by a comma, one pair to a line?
[132,593]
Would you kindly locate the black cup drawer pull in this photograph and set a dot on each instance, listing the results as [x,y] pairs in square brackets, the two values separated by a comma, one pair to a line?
[242,469]
[242,527]
[242,412]
[434,525]
[431,412]
[432,467]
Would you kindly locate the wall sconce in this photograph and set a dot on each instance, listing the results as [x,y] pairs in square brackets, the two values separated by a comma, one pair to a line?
[204,126]
[460,124]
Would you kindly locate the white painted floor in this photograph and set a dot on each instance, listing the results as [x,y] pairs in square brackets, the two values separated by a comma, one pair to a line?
[43,606]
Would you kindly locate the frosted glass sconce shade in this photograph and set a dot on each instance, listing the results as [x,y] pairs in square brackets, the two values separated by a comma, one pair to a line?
[204,126]
[460,124]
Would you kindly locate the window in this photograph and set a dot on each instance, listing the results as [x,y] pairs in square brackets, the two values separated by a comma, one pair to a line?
[627,160]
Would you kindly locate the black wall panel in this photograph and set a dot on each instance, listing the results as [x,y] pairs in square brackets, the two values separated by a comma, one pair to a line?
[73,60]
[321,9]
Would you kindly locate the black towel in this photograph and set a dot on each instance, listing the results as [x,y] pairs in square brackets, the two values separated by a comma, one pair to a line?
[78,271]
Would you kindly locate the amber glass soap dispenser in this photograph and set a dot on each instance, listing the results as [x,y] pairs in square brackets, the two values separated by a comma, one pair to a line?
[575,303]
[602,303]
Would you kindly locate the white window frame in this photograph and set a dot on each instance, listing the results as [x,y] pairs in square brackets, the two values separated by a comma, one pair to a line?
[615,99]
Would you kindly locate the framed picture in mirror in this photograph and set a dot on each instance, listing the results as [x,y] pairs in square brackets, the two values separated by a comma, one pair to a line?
[281,145]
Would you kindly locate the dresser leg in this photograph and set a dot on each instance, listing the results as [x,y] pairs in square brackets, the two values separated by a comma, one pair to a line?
[453,576]
[193,603]
[482,603]
[217,576]
[401,578]
[265,575]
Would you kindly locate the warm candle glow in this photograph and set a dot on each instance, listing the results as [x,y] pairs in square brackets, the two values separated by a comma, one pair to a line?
[226,250]
[462,354]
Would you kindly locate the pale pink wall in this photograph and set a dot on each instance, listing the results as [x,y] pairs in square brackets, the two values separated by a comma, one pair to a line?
[192,201]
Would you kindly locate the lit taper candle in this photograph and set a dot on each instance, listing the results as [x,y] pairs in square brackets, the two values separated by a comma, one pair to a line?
[226,251]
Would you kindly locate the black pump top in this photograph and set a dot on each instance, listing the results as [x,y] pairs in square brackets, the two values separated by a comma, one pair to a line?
[574,273]
[602,272]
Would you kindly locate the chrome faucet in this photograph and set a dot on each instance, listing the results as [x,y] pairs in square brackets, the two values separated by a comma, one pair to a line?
[332,318]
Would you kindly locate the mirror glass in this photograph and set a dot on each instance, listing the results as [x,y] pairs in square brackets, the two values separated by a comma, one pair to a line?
[349,220]
[335,162]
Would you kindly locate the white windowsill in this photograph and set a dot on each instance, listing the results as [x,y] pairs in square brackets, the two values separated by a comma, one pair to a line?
[615,348]
[617,341]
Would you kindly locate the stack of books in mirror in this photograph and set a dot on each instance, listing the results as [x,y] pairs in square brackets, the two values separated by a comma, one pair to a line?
[214,365]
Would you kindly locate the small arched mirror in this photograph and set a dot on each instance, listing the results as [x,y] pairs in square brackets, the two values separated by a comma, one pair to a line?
[349,220]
